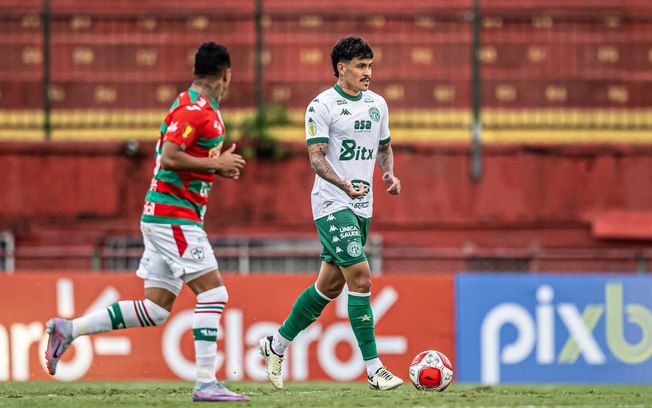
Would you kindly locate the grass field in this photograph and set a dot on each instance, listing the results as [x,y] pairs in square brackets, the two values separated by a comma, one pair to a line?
[307,395]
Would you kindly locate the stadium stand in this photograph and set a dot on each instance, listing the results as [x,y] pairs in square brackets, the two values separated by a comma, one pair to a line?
[556,65]
[551,71]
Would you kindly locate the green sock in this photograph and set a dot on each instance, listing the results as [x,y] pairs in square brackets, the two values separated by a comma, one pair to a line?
[306,309]
[362,323]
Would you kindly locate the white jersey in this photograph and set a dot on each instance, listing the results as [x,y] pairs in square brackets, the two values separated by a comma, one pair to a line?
[353,127]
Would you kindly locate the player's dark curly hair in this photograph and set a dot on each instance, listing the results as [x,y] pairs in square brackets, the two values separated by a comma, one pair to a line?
[211,59]
[348,48]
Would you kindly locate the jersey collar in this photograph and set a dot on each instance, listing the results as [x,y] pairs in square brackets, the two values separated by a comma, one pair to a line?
[346,95]
[194,95]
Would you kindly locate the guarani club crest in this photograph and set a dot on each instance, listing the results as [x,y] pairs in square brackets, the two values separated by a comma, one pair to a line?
[355,186]
[374,114]
[354,248]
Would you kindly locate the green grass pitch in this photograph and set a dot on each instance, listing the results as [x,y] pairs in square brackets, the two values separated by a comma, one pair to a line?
[319,394]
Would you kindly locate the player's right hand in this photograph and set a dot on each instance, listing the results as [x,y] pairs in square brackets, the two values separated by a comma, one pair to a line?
[351,191]
[229,162]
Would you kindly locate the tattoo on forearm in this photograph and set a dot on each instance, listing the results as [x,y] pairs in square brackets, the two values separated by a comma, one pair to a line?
[320,165]
[385,158]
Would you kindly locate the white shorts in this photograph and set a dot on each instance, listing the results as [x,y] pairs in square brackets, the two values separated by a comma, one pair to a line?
[174,254]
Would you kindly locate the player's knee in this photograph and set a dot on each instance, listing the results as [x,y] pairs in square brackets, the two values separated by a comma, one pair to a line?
[218,294]
[360,284]
[155,313]
[331,290]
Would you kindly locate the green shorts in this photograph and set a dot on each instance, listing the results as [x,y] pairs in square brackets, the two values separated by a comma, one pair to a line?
[343,235]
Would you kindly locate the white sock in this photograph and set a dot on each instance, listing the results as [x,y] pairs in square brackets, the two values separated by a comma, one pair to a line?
[279,344]
[123,314]
[373,365]
[205,321]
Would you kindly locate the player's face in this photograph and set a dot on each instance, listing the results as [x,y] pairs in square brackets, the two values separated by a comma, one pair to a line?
[356,74]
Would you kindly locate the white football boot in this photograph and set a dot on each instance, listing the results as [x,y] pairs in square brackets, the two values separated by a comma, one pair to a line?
[384,380]
[273,362]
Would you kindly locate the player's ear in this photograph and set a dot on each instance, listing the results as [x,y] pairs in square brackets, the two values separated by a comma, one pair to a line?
[225,76]
[340,68]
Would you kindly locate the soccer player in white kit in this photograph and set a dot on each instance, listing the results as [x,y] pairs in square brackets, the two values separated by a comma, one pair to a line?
[347,132]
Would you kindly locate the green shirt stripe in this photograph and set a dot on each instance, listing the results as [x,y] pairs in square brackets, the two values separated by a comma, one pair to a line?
[169,177]
[209,143]
[157,219]
[385,141]
[165,198]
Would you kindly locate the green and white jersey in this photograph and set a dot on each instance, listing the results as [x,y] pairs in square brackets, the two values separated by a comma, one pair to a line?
[353,127]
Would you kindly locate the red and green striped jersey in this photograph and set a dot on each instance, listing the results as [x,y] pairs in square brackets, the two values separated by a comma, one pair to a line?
[180,197]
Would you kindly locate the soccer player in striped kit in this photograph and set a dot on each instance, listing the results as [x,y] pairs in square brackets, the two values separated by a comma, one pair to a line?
[347,132]
[177,251]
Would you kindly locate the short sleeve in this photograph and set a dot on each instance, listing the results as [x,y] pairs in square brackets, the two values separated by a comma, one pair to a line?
[184,126]
[317,122]
[384,125]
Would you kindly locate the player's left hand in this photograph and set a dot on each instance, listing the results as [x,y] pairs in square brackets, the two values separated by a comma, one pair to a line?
[233,173]
[394,183]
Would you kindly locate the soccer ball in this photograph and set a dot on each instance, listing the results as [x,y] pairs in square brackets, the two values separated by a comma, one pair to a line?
[431,370]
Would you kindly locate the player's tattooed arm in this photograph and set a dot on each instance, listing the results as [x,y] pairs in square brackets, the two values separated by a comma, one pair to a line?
[321,166]
[385,160]
[323,169]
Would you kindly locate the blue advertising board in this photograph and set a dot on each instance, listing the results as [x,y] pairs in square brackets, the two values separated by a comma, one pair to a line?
[553,328]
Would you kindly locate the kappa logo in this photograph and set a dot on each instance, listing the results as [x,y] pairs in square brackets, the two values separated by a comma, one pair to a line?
[335,239]
[332,228]
[174,126]
[345,112]
[331,217]
[338,250]
[311,109]
[365,318]
[193,108]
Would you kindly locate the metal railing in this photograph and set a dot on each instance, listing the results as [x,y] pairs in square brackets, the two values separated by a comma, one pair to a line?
[239,254]
[7,252]
[247,255]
